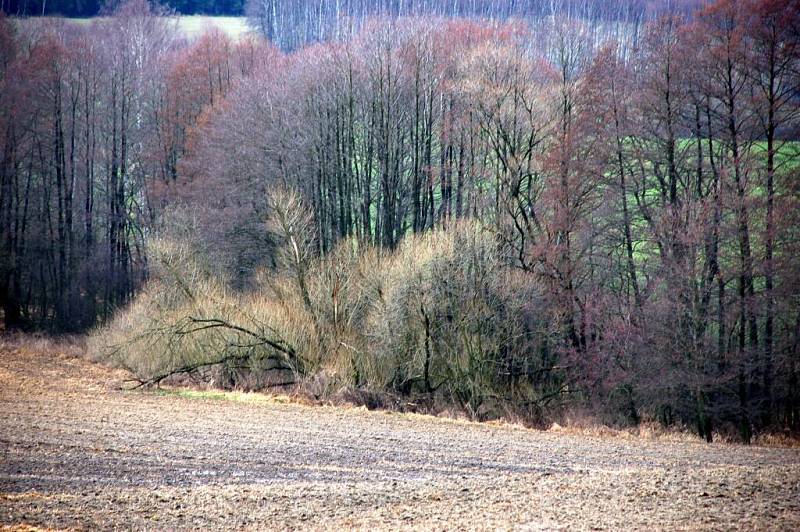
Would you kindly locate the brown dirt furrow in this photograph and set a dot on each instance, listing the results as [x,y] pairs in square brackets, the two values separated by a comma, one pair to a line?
[78,452]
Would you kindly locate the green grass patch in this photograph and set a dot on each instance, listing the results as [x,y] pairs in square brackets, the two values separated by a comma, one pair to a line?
[218,395]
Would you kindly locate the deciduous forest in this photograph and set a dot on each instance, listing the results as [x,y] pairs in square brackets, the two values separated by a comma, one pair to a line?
[508,214]
[316,17]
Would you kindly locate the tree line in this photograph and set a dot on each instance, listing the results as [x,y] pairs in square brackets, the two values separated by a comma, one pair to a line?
[291,24]
[92,8]
[92,118]
[495,213]
[297,22]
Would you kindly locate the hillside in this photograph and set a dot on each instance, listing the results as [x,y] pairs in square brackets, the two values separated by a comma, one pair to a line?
[79,452]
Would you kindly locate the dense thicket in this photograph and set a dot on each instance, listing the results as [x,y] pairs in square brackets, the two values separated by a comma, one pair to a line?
[499,216]
[294,23]
[92,119]
[91,8]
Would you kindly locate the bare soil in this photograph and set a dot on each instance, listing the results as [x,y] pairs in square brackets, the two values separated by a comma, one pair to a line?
[77,451]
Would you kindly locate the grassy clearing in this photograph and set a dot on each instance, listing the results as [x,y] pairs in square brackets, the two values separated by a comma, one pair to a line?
[191,26]
[194,26]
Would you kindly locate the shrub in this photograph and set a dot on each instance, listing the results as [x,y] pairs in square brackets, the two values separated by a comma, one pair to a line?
[185,319]
[439,317]
[450,318]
